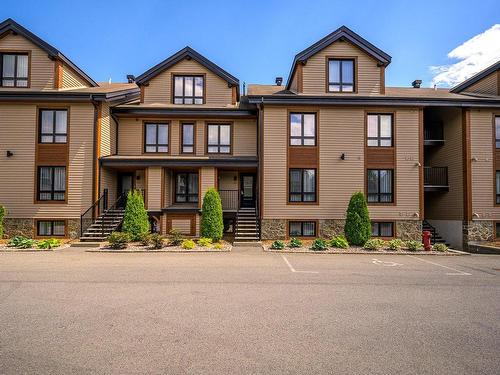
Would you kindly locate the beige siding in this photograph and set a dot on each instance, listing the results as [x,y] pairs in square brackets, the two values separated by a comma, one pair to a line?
[488,85]
[108,132]
[71,80]
[481,125]
[228,180]
[182,225]
[42,68]
[341,131]
[160,87]
[140,179]
[130,136]
[17,174]
[154,189]
[245,138]
[109,181]
[314,72]
[167,190]
[207,180]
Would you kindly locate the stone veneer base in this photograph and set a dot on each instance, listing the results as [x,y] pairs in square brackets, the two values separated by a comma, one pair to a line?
[26,227]
[478,231]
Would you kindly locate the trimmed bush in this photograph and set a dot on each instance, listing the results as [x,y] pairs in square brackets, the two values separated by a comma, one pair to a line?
[319,244]
[358,227]
[49,243]
[395,244]
[374,244]
[157,240]
[3,212]
[175,237]
[135,220]
[205,242]
[278,245]
[413,245]
[339,242]
[118,240]
[212,224]
[294,243]
[188,244]
[440,247]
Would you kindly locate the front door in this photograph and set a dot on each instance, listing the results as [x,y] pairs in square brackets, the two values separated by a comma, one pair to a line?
[125,184]
[247,190]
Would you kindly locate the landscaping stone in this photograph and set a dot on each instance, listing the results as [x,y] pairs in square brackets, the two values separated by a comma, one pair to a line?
[18,227]
[478,231]
[409,230]
[273,229]
[331,227]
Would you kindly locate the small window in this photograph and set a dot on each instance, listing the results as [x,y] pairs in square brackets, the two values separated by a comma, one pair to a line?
[302,185]
[53,126]
[379,130]
[341,75]
[497,131]
[380,182]
[497,187]
[188,89]
[302,129]
[302,229]
[497,229]
[186,188]
[51,183]
[188,138]
[219,139]
[382,229]
[54,228]
[14,70]
[156,137]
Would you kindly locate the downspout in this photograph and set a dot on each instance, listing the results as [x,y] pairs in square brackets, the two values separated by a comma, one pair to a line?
[96,183]
[260,161]
[115,119]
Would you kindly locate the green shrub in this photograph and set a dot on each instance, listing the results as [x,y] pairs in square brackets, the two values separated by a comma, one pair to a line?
[118,240]
[374,244]
[413,245]
[205,242]
[212,224]
[439,247]
[49,243]
[357,227]
[157,240]
[15,241]
[278,245]
[176,237]
[135,220]
[295,242]
[21,242]
[188,244]
[339,242]
[145,239]
[319,244]
[3,212]
[395,244]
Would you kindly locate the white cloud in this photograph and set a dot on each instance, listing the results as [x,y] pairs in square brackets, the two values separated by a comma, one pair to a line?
[475,55]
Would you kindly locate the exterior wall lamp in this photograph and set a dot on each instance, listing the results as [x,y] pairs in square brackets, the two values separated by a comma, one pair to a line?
[343,157]
[9,154]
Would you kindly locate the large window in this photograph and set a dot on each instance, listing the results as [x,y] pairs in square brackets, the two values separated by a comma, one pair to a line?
[188,89]
[156,137]
[302,229]
[340,75]
[382,229]
[497,131]
[302,129]
[497,188]
[302,185]
[50,228]
[53,126]
[186,188]
[187,138]
[219,139]
[14,70]
[51,183]
[379,130]
[380,182]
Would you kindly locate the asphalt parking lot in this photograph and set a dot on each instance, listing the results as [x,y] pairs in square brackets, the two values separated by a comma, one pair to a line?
[248,312]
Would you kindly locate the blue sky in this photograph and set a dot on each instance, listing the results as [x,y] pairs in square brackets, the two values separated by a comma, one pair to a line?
[255,41]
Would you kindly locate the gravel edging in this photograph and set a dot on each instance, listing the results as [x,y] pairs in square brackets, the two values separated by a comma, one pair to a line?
[30,250]
[367,252]
[167,249]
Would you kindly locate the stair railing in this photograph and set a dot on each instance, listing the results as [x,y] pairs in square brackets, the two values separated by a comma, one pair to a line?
[431,229]
[92,213]
[120,202]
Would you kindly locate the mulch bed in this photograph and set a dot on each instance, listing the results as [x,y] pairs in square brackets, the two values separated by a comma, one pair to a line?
[136,247]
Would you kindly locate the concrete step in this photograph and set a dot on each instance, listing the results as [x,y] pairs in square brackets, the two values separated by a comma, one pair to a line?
[239,238]
[93,239]
[247,244]
[86,244]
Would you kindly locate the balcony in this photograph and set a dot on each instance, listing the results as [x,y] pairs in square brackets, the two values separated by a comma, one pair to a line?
[230,199]
[436,179]
[433,134]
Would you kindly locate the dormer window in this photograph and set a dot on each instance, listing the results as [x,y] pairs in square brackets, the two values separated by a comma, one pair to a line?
[189,89]
[340,75]
[14,70]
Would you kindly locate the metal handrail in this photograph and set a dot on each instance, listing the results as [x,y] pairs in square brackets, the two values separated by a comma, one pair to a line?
[95,210]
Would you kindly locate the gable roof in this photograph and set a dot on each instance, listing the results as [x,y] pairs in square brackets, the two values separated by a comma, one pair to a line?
[187,52]
[475,78]
[9,25]
[342,33]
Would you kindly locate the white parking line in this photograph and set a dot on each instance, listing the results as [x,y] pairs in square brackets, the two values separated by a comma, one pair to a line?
[293,269]
[456,273]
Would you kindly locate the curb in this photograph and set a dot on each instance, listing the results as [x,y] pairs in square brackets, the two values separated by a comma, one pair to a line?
[449,253]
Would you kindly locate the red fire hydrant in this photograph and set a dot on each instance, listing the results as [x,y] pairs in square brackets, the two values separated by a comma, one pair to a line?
[426,236]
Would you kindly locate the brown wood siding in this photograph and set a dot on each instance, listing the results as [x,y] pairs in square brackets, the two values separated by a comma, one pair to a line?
[154,188]
[159,89]
[488,85]
[185,223]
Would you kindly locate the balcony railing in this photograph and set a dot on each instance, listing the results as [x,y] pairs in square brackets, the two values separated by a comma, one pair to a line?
[230,199]
[436,178]
[434,134]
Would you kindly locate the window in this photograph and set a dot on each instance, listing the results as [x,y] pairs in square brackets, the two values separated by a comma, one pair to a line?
[302,185]
[497,131]
[50,228]
[188,138]
[302,129]
[188,89]
[380,183]
[302,229]
[156,137]
[51,183]
[53,126]
[14,70]
[497,187]
[379,130]
[340,75]
[382,229]
[497,229]
[186,188]
[219,139]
